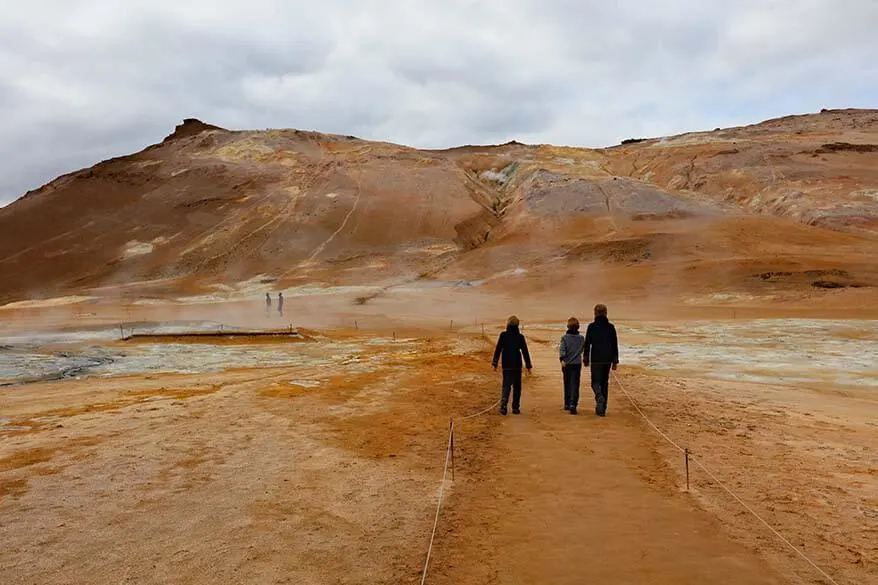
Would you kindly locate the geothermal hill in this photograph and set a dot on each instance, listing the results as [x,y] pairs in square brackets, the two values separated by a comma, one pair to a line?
[789,206]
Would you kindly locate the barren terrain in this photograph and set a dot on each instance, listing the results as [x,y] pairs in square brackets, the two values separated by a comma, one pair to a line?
[772,213]
[317,458]
[152,431]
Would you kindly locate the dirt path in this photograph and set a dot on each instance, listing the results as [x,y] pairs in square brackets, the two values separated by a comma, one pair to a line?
[561,499]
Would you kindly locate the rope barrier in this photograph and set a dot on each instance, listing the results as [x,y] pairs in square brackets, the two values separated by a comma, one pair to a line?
[448,457]
[723,486]
[767,525]
[439,503]
[481,412]
[646,418]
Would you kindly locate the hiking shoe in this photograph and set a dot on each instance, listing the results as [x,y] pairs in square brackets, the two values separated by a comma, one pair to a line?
[516,411]
[566,407]
[503,410]
[572,410]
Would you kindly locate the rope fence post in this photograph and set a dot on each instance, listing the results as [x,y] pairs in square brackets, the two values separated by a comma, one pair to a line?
[686,453]
[721,485]
[438,510]
[449,463]
[451,432]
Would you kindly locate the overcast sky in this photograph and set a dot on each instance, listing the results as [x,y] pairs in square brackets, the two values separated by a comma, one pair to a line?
[81,81]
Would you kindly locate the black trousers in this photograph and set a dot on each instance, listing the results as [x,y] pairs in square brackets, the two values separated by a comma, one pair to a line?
[511,381]
[572,378]
[600,385]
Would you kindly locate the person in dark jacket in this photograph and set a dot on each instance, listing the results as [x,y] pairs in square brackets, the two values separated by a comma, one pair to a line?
[571,349]
[511,346]
[602,353]
[280,304]
[267,304]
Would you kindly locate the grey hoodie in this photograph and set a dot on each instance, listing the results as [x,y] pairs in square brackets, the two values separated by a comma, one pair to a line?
[572,346]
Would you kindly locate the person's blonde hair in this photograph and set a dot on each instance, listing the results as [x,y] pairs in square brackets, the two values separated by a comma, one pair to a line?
[600,310]
[573,323]
[513,320]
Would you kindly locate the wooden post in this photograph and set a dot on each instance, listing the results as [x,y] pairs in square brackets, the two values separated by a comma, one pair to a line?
[394,335]
[451,431]
[452,325]
[121,332]
[356,325]
[686,452]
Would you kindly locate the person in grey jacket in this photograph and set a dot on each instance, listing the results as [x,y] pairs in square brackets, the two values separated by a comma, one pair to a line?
[570,351]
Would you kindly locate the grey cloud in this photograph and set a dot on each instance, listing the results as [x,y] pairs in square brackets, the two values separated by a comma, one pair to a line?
[84,81]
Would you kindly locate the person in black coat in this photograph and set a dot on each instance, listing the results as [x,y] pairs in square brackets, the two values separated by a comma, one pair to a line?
[602,353]
[511,347]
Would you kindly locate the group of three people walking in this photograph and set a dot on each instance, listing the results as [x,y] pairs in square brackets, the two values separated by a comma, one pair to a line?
[598,350]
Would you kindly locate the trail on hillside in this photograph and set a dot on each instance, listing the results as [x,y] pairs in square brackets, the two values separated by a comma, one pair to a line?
[563,499]
[341,227]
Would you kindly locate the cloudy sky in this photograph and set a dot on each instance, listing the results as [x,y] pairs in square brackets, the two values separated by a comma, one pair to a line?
[83,80]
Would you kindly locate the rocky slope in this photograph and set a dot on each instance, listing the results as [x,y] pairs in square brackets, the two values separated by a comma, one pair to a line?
[789,204]
[817,169]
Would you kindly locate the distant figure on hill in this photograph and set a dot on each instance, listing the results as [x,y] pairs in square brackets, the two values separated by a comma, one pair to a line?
[511,346]
[602,352]
[267,304]
[571,350]
[280,304]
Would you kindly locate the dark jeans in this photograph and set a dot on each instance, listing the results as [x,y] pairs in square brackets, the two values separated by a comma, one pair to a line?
[572,377]
[600,385]
[511,381]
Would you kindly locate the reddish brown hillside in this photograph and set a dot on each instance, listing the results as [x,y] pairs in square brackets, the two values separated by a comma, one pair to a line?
[694,214]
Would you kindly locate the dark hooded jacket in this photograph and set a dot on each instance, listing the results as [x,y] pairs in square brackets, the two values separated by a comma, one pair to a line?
[601,343]
[511,346]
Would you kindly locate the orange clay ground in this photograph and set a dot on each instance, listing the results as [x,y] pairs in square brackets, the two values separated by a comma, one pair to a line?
[328,471]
